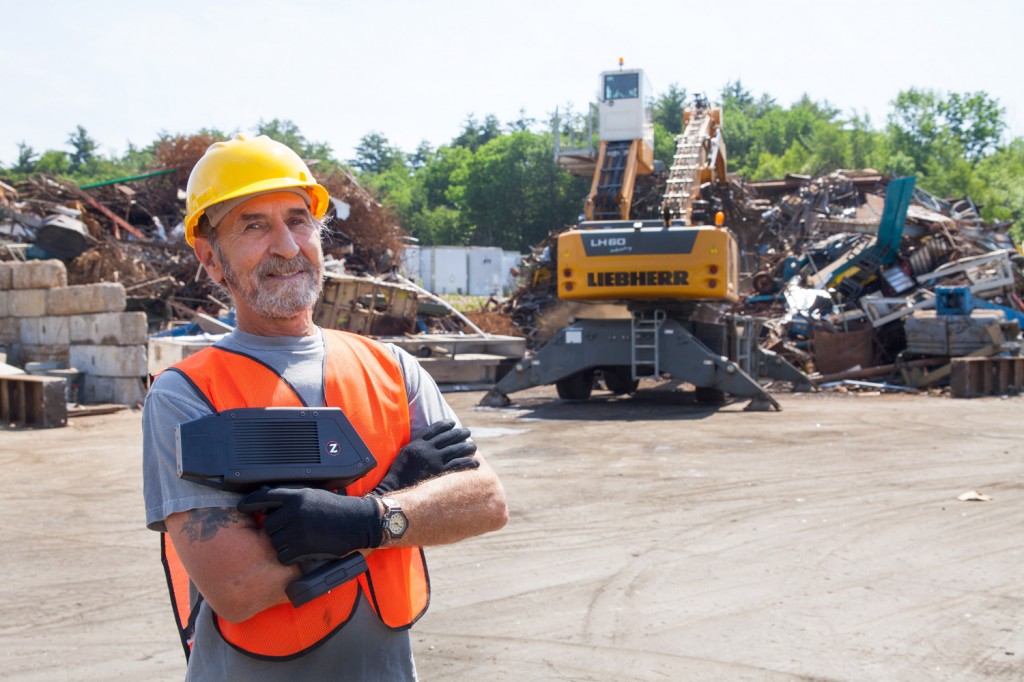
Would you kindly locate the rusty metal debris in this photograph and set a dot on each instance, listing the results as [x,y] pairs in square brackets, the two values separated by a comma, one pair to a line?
[843,286]
[847,286]
[129,231]
[881,299]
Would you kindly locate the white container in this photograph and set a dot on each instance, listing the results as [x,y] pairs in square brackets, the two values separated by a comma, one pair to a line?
[444,269]
[510,261]
[485,271]
[427,267]
[411,264]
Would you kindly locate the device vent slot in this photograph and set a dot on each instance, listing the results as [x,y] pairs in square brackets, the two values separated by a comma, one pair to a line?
[260,443]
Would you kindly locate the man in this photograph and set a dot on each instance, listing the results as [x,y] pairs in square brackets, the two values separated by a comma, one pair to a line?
[253,218]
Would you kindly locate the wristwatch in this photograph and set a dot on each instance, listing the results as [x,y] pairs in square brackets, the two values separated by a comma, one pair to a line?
[395,522]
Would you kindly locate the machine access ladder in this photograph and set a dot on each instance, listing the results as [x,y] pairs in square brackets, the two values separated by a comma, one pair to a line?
[644,330]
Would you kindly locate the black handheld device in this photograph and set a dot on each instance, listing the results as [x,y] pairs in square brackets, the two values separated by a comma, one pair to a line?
[242,449]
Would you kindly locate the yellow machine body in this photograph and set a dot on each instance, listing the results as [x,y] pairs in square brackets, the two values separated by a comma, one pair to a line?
[648,264]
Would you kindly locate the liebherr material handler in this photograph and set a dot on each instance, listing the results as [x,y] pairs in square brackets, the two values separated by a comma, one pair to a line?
[666,270]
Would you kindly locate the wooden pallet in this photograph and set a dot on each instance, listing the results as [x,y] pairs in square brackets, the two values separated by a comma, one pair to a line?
[365,306]
[974,377]
[29,400]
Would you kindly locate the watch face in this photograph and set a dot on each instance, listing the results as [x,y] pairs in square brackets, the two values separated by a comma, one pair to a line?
[397,524]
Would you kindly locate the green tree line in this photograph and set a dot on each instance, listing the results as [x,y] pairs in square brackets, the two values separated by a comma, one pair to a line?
[497,184]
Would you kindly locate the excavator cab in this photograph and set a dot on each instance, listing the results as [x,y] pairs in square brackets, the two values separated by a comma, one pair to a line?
[625,106]
[625,128]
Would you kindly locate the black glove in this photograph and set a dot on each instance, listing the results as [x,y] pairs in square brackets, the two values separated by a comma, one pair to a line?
[441,449]
[311,524]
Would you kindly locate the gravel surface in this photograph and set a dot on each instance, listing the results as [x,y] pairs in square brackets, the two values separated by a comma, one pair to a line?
[649,539]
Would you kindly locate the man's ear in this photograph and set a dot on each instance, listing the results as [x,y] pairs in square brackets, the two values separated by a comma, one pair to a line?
[208,259]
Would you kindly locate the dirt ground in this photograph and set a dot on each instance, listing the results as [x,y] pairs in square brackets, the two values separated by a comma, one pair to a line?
[649,539]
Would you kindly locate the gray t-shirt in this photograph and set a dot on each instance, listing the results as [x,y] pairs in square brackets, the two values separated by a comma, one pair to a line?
[364,649]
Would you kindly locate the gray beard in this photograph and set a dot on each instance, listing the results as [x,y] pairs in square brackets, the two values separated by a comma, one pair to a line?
[271,299]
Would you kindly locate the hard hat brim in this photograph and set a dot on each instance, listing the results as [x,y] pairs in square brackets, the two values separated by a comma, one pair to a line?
[319,198]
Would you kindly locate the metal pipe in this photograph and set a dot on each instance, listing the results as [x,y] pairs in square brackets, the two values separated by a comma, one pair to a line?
[129,178]
[877,371]
[446,304]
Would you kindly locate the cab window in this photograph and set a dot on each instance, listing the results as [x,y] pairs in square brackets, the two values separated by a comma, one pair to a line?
[622,86]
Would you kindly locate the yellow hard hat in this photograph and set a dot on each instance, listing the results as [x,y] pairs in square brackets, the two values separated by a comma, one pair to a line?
[242,166]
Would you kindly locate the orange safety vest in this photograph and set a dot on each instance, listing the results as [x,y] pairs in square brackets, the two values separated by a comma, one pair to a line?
[363,379]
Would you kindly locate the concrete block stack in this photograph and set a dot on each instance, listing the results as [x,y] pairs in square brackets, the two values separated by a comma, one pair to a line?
[164,352]
[84,327]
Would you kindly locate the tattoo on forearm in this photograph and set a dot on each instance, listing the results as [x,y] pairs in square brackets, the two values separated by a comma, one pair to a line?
[203,524]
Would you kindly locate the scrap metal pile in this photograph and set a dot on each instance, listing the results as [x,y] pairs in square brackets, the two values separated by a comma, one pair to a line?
[855,275]
[130,230]
[850,281]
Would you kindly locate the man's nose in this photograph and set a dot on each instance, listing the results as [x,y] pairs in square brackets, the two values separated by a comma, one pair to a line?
[282,240]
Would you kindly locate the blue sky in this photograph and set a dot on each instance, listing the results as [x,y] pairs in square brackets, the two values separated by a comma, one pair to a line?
[414,70]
